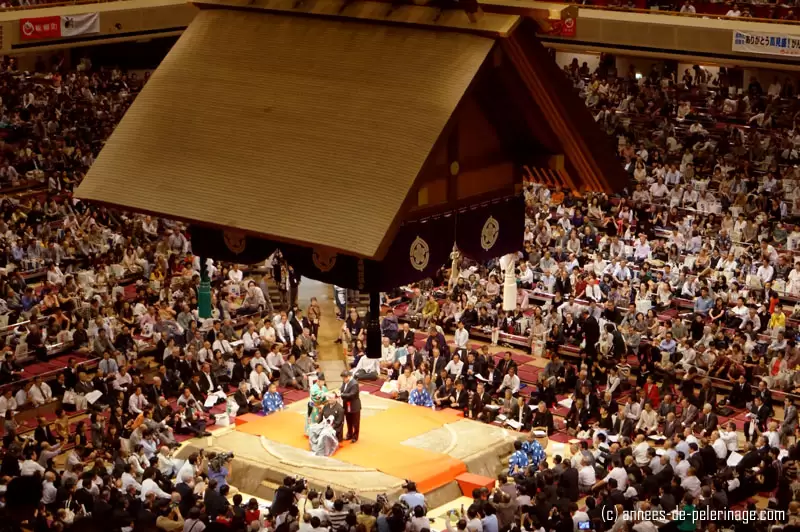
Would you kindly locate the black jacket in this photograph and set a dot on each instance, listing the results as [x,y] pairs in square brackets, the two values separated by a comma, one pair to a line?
[351,400]
[569,482]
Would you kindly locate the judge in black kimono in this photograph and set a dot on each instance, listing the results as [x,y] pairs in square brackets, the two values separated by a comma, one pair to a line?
[333,409]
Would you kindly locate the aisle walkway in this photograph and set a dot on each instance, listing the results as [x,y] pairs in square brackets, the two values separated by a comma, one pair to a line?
[330,357]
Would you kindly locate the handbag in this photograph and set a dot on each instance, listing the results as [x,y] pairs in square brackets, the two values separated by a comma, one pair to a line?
[69,398]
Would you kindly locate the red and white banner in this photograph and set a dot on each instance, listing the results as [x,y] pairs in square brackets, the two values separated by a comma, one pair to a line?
[56,27]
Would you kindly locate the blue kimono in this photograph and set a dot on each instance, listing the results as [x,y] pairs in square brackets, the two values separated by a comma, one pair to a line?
[272,402]
[418,398]
[518,459]
[533,450]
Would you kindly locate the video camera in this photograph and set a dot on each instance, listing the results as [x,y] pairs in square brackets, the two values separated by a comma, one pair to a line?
[220,459]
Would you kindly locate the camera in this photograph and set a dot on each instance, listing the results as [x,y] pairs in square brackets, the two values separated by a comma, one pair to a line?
[300,485]
[216,462]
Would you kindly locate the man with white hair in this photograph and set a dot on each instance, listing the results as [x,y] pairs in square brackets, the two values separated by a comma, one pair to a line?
[165,462]
[49,490]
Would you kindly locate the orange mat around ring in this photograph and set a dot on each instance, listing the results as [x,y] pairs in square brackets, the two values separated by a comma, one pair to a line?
[379,445]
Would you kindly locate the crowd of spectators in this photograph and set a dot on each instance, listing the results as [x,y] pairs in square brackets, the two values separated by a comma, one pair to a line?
[105,363]
[668,314]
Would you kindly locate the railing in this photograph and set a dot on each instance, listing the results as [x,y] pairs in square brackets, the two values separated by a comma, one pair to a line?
[768,13]
[45,3]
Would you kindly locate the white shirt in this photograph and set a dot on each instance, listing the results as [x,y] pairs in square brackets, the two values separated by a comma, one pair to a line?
[259,359]
[369,365]
[454,368]
[692,485]
[586,476]
[21,397]
[731,439]
[647,421]
[122,381]
[222,345]
[640,454]
[149,486]
[259,381]
[186,472]
[236,276]
[682,468]
[720,448]
[461,337]
[268,334]
[204,355]
[7,404]
[128,480]
[510,382]
[274,361]
[136,403]
[251,341]
[29,467]
[621,476]
[48,492]
[40,394]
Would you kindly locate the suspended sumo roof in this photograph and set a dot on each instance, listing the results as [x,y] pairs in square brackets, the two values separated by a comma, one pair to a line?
[320,127]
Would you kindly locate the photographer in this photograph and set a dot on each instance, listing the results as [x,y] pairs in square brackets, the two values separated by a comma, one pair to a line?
[284,497]
[219,466]
[412,498]
[169,518]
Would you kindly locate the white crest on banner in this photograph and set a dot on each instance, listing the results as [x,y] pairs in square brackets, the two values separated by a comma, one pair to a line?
[235,241]
[420,254]
[323,259]
[489,234]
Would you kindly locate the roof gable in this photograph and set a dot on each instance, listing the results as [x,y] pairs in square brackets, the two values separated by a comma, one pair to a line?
[248,112]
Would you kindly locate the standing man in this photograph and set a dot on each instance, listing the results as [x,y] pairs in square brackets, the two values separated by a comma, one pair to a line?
[352,406]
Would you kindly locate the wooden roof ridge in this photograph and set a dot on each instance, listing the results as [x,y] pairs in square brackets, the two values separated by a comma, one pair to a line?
[587,148]
[421,15]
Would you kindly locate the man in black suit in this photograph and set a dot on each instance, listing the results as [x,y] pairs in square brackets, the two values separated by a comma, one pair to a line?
[741,393]
[569,481]
[298,322]
[438,361]
[208,382]
[759,413]
[707,421]
[84,496]
[477,403]
[405,337]
[352,405]
[154,391]
[591,332]
[334,410]
[188,497]
[671,426]
[162,411]
[70,374]
[542,417]
[102,510]
[196,389]
[472,368]
[245,401]
[43,432]
[766,396]
[216,503]
[503,366]
[460,397]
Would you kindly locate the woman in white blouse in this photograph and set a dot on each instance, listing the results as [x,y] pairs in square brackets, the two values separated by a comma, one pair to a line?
[648,421]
